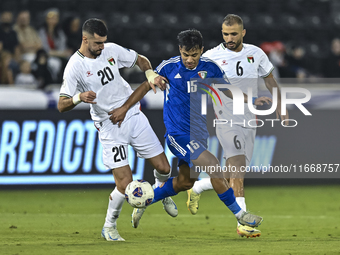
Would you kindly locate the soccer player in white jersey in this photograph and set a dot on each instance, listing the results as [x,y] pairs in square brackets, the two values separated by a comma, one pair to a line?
[92,76]
[244,64]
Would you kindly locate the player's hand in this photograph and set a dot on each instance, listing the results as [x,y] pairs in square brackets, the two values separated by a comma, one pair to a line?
[284,118]
[160,82]
[88,97]
[118,115]
[262,100]
[156,79]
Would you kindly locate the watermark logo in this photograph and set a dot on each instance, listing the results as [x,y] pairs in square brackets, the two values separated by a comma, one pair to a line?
[194,86]
[238,101]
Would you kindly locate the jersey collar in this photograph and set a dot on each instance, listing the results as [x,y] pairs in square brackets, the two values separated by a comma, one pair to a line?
[80,54]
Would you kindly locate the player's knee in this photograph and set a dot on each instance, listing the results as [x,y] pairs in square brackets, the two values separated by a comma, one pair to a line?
[211,162]
[163,167]
[237,161]
[122,183]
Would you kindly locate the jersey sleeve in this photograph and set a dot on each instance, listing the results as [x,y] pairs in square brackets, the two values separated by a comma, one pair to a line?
[126,57]
[69,85]
[265,67]
[160,69]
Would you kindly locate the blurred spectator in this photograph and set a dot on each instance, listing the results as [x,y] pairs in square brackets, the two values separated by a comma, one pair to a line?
[27,36]
[54,43]
[276,52]
[6,74]
[41,70]
[25,77]
[332,63]
[52,36]
[8,36]
[72,29]
[298,64]
[9,39]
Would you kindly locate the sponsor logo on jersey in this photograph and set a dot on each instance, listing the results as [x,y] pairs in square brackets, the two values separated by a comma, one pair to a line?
[88,73]
[111,61]
[224,62]
[178,76]
[202,74]
[250,59]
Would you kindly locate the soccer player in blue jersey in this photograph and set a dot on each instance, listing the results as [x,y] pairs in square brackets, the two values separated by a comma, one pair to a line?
[186,131]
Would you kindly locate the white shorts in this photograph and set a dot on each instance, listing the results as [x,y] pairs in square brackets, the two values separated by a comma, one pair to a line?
[135,131]
[236,140]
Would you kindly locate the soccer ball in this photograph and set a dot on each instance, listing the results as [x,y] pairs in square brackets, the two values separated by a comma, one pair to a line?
[139,193]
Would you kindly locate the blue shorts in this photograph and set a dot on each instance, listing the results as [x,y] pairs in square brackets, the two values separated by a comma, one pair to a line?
[185,148]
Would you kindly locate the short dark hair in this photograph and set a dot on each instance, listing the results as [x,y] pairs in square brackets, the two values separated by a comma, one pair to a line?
[93,26]
[190,39]
[231,19]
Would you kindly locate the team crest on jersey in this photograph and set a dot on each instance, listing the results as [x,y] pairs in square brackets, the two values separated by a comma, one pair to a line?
[250,59]
[202,74]
[111,61]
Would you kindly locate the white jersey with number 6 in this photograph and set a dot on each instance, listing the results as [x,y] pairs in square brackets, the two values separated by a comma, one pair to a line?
[243,69]
[102,76]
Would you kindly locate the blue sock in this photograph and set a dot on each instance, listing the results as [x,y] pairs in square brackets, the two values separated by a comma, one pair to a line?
[228,198]
[167,190]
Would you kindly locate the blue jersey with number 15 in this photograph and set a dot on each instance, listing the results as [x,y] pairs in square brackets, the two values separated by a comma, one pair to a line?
[182,109]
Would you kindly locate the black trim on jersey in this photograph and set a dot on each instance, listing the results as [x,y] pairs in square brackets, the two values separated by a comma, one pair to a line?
[64,95]
[134,62]
[80,54]
[266,75]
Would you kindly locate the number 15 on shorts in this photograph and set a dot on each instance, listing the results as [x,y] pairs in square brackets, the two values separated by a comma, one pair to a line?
[192,146]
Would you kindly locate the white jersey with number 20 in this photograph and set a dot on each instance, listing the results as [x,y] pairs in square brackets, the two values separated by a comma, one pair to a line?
[101,75]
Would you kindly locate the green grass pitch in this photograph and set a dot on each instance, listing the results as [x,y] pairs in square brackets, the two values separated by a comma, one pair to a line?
[297,220]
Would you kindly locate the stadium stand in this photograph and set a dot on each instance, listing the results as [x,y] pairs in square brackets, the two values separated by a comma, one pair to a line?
[151,26]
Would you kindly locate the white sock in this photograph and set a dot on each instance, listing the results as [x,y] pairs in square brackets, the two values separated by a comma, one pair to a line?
[116,202]
[157,183]
[238,215]
[242,203]
[202,185]
[160,178]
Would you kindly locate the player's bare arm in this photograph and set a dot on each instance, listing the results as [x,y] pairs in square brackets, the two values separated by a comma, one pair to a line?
[66,104]
[153,78]
[118,115]
[270,84]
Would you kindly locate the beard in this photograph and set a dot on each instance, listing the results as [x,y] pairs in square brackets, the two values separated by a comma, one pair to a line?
[95,53]
[233,47]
